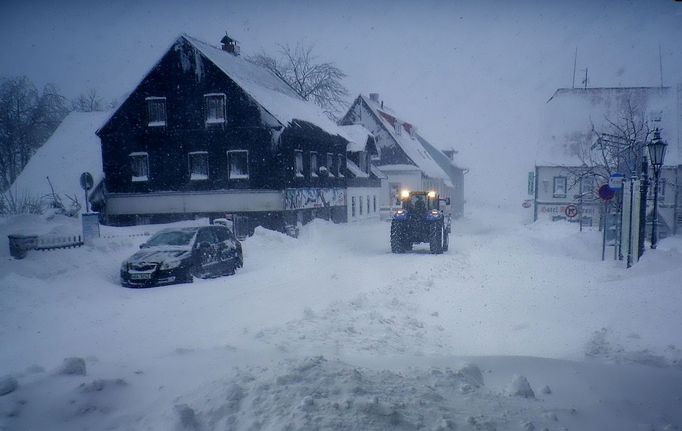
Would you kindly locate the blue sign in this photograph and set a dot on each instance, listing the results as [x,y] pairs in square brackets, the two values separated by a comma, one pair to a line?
[616,181]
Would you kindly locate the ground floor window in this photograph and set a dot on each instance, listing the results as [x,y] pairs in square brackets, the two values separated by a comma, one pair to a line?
[360,201]
[375,202]
[198,165]
[367,204]
[352,206]
[238,164]
[139,166]
[298,163]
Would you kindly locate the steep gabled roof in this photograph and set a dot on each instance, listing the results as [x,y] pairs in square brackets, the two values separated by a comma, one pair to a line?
[269,91]
[407,140]
[274,96]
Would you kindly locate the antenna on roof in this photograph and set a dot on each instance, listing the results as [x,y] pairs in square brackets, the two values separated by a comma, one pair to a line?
[575,60]
[585,81]
[660,63]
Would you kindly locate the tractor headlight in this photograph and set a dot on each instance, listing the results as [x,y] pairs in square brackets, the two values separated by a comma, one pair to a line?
[404,194]
[432,194]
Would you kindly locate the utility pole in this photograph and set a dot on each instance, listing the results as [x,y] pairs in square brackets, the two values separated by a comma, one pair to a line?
[575,61]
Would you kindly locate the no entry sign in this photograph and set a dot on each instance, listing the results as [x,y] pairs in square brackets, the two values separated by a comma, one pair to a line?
[606,192]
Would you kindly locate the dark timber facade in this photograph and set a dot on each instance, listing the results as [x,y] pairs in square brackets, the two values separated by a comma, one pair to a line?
[193,141]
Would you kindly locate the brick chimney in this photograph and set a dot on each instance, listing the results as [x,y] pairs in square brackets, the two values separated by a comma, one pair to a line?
[229,45]
[374,97]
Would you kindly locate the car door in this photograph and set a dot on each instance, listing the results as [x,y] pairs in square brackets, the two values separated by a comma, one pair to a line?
[227,247]
[207,248]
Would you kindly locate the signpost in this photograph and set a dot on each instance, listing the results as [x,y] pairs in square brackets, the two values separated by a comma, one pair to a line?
[616,181]
[89,220]
[606,193]
[630,230]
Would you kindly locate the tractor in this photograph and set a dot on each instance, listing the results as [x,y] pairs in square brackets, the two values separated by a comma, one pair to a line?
[420,219]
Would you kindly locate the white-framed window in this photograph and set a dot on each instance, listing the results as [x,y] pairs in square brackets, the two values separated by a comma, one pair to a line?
[313,164]
[352,206]
[197,162]
[139,166]
[559,187]
[298,163]
[238,164]
[360,206]
[215,108]
[330,164]
[339,165]
[156,111]
[586,186]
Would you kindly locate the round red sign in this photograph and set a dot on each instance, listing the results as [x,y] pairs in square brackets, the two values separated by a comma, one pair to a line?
[571,211]
[606,192]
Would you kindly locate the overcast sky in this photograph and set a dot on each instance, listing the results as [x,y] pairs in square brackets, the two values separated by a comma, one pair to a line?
[471,75]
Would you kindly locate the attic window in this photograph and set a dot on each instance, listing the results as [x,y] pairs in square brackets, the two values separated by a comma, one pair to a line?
[198,165]
[339,166]
[139,166]
[398,128]
[215,108]
[156,109]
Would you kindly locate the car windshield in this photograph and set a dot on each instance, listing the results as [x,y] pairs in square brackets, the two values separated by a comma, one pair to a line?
[173,237]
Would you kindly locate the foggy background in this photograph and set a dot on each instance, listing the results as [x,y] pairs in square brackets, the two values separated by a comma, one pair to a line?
[472,76]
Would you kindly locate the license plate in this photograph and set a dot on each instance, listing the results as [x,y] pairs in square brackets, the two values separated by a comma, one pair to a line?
[140,276]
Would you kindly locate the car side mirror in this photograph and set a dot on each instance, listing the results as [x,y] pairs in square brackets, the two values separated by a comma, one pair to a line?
[143,245]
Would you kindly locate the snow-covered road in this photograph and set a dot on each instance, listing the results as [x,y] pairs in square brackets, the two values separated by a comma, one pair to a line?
[504,289]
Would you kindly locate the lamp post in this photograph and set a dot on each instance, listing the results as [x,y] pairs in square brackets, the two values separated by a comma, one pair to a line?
[656,154]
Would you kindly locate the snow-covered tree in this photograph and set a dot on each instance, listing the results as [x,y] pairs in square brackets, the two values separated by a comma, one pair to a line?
[27,118]
[319,82]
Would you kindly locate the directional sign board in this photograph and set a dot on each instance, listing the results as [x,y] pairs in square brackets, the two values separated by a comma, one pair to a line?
[86,181]
[616,181]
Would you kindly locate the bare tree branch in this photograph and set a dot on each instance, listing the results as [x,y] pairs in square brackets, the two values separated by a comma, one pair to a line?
[318,82]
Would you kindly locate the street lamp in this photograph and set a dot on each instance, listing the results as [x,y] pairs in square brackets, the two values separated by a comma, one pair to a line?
[656,155]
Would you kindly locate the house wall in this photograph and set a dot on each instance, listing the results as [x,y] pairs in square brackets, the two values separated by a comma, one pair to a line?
[551,206]
[357,199]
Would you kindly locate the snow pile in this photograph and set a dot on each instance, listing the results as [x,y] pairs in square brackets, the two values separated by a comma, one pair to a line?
[317,393]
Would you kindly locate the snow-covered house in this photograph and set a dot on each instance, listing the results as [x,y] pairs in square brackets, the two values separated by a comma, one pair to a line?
[365,183]
[403,156]
[207,133]
[573,120]
[72,149]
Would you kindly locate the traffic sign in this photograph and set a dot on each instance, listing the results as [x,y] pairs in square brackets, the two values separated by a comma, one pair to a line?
[606,192]
[571,211]
[86,181]
[616,181]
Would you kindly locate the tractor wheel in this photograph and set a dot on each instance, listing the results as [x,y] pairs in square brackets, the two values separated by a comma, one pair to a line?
[436,238]
[397,238]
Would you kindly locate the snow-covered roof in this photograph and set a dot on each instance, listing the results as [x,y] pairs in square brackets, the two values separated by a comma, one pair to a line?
[71,150]
[357,137]
[395,168]
[407,140]
[355,170]
[270,92]
[377,172]
[572,116]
